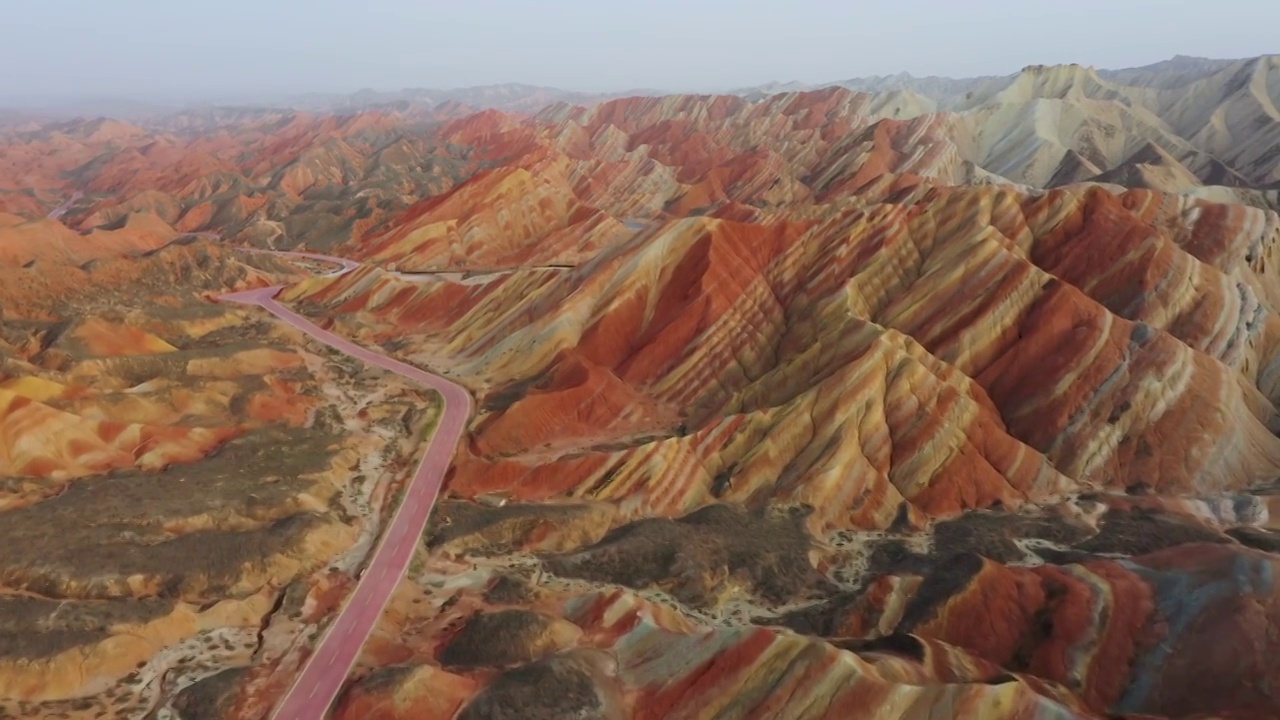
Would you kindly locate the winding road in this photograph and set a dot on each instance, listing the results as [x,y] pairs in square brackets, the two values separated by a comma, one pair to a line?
[318,684]
[58,212]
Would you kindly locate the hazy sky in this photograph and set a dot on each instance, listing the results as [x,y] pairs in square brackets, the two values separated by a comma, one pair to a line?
[233,47]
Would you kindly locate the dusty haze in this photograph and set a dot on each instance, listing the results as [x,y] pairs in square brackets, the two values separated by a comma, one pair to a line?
[242,50]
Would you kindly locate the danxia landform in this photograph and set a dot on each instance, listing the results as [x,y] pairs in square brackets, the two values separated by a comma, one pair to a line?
[897,398]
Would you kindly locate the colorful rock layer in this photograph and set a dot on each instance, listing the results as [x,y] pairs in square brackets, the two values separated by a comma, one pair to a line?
[1022,437]
[823,404]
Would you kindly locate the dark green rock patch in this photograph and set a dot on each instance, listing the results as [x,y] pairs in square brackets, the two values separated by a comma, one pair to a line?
[555,688]
[694,555]
[459,525]
[212,698]
[35,628]
[940,586]
[497,639]
[1139,532]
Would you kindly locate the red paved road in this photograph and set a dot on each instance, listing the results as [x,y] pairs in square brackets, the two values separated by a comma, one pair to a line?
[347,265]
[317,686]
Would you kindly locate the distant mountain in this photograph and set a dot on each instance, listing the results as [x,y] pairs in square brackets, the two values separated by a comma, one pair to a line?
[937,88]
[772,88]
[419,102]
[122,108]
[946,92]
[1185,124]
[508,97]
[1175,72]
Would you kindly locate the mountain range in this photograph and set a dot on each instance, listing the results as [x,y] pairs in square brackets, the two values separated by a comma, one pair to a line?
[896,398]
[519,97]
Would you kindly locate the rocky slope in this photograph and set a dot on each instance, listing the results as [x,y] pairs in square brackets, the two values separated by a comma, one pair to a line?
[1005,452]
[807,405]
[172,470]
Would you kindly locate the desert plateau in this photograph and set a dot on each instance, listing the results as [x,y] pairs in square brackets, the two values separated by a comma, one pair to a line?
[894,398]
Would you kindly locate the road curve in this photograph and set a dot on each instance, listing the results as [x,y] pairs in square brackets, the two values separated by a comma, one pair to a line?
[58,212]
[318,684]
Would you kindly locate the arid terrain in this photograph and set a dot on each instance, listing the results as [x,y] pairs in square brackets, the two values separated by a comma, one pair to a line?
[924,399]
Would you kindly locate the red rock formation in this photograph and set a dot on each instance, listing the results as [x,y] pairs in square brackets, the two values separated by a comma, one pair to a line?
[798,406]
